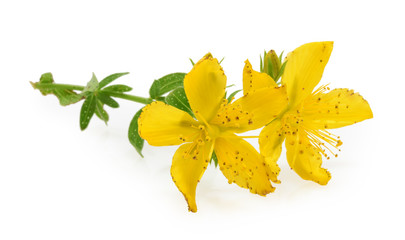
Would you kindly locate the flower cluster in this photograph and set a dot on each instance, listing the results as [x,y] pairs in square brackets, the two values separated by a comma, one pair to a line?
[291,112]
[193,110]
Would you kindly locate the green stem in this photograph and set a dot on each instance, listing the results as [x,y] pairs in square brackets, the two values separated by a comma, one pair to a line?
[129,97]
[48,86]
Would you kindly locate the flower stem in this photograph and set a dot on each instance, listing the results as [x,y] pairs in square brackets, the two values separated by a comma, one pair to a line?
[129,97]
[49,86]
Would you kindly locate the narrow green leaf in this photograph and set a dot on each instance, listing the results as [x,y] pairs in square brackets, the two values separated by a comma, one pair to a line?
[117,88]
[233,95]
[154,90]
[263,68]
[191,60]
[221,60]
[214,159]
[91,86]
[232,85]
[261,64]
[170,82]
[178,99]
[65,96]
[100,112]
[87,111]
[281,72]
[107,100]
[111,78]
[281,57]
[133,134]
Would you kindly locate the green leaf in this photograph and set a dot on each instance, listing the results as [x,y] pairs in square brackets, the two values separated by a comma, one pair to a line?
[133,134]
[67,97]
[281,57]
[107,100]
[154,90]
[100,112]
[46,78]
[169,83]
[118,88]
[178,99]
[281,72]
[214,159]
[261,64]
[233,95]
[46,86]
[87,111]
[191,60]
[111,78]
[91,86]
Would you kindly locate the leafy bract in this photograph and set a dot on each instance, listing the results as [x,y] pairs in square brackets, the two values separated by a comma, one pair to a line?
[107,100]
[214,159]
[232,95]
[100,112]
[178,99]
[107,80]
[154,91]
[87,111]
[133,134]
[46,86]
[91,86]
[166,84]
[117,88]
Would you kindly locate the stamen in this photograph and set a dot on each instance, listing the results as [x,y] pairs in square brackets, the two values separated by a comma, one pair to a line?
[321,89]
[192,148]
[203,119]
[318,138]
[189,138]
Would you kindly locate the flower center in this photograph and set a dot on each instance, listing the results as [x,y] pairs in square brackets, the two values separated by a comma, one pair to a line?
[325,142]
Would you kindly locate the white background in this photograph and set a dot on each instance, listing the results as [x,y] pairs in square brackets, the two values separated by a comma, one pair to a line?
[57,182]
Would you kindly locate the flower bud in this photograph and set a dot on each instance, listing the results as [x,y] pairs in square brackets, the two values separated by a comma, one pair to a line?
[271,65]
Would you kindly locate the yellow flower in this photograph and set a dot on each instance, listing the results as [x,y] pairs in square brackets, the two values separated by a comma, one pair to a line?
[213,130]
[303,123]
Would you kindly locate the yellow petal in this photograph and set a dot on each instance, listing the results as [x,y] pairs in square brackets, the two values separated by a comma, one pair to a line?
[162,125]
[233,118]
[262,106]
[242,164]
[337,108]
[253,80]
[188,166]
[270,141]
[304,69]
[305,160]
[205,87]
